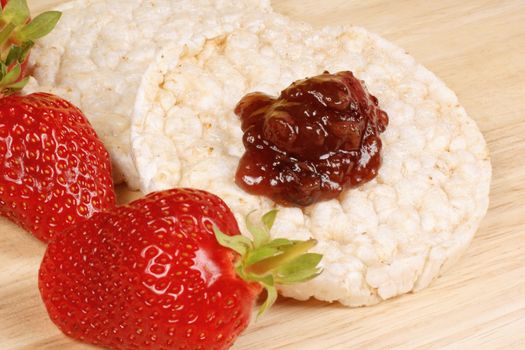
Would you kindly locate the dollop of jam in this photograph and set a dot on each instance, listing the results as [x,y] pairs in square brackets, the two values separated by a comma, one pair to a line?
[319,136]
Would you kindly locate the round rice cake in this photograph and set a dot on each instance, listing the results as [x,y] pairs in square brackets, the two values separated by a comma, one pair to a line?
[100,49]
[390,236]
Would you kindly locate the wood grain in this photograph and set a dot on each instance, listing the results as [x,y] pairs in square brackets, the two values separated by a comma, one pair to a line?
[478,48]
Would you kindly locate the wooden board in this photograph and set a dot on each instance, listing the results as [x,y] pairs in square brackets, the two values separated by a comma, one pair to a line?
[478,48]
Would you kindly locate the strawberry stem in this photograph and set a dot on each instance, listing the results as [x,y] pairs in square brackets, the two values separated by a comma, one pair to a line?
[271,262]
[17,35]
[288,254]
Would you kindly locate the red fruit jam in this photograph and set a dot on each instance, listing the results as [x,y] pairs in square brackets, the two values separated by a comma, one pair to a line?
[319,136]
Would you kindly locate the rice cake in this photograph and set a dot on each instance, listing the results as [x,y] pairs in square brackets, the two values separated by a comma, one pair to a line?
[391,236]
[100,49]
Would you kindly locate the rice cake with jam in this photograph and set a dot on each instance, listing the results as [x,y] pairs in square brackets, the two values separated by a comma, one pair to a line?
[388,237]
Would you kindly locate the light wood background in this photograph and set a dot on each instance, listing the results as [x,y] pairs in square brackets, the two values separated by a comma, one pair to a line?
[478,48]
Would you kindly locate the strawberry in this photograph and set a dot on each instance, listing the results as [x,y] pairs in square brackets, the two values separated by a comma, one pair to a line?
[153,275]
[17,35]
[54,169]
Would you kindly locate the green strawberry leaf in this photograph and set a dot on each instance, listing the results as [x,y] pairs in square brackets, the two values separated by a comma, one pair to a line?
[260,254]
[264,280]
[260,234]
[6,33]
[271,297]
[280,242]
[301,269]
[18,53]
[3,70]
[40,26]
[13,55]
[305,261]
[26,47]
[270,249]
[303,276]
[16,12]
[269,219]
[19,85]
[11,76]
[237,243]
[239,269]
[289,253]
[10,89]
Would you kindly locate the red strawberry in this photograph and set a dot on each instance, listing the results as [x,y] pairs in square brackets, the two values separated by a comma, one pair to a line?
[54,169]
[17,35]
[152,275]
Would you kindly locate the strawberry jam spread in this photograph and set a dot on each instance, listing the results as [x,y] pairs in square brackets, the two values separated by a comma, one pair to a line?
[319,136]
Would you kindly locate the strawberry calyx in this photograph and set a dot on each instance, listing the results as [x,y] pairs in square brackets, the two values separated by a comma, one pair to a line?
[271,262]
[18,33]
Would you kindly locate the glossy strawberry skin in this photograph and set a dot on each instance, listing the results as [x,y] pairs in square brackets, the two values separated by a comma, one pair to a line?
[54,170]
[149,275]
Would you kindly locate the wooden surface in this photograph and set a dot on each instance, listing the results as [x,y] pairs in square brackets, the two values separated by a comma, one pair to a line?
[478,48]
